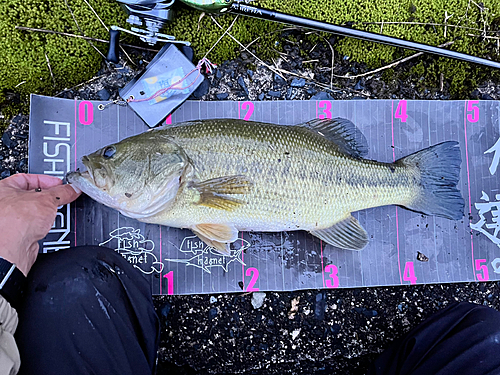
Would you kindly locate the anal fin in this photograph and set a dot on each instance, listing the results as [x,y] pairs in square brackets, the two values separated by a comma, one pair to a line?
[218,236]
[346,234]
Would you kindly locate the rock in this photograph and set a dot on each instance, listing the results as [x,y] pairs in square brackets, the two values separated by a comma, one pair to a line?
[243,85]
[5,174]
[366,312]
[291,93]
[103,94]
[166,309]
[295,333]
[212,313]
[22,165]
[213,299]
[322,96]
[279,80]
[274,94]
[250,73]
[262,96]
[359,86]
[222,96]
[258,299]
[218,74]
[335,328]
[298,82]
[319,306]
[6,140]
[486,97]
[202,89]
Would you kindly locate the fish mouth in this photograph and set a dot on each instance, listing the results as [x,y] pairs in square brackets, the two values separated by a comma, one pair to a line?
[86,163]
[73,176]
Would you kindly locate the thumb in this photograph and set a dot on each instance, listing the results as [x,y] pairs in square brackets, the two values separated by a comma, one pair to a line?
[63,194]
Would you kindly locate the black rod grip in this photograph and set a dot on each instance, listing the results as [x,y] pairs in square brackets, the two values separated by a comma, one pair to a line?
[114,39]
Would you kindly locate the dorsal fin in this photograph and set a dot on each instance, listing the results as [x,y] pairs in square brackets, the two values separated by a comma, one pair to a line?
[343,133]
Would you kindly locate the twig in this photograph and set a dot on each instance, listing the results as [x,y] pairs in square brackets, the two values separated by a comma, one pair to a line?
[270,33]
[80,37]
[420,24]
[391,65]
[95,13]
[245,48]
[225,32]
[333,57]
[484,36]
[107,29]
[280,71]
[80,84]
[446,18]
[50,70]
[81,31]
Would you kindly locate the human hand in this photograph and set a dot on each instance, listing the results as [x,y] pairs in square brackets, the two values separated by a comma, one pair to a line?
[28,207]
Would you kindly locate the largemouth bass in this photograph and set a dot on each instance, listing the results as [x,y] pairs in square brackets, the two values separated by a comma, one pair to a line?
[218,177]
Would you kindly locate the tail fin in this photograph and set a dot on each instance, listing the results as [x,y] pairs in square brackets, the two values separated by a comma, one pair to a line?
[439,167]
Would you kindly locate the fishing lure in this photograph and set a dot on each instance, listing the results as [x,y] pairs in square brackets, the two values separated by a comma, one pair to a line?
[209,6]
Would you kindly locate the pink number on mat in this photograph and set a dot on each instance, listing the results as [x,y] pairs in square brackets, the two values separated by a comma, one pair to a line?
[485,276]
[85,113]
[254,272]
[168,120]
[333,275]
[471,107]
[409,273]
[326,106]
[170,282]
[401,111]
[250,109]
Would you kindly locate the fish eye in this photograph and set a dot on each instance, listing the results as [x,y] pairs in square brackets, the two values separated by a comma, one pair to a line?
[108,152]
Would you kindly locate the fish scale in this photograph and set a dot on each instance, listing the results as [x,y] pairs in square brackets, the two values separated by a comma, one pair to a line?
[292,169]
[221,176]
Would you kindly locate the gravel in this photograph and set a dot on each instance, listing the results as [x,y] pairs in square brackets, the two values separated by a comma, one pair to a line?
[316,331]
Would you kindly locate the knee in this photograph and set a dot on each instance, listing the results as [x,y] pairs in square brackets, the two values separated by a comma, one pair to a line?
[77,272]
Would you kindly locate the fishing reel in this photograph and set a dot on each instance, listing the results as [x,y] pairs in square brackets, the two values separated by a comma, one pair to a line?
[152,15]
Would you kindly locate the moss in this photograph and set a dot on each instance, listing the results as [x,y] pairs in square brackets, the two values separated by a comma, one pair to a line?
[24,67]
[23,61]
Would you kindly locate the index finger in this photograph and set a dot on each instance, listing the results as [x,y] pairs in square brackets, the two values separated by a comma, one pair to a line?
[63,194]
[32,181]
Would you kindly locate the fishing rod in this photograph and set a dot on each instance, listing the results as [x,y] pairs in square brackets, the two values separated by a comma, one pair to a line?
[155,13]
[236,7]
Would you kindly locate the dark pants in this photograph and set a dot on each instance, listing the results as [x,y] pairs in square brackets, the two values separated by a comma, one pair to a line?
[87,311]
[463,339]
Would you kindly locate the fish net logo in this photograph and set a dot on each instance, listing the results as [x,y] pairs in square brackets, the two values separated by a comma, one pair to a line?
[199,255]
[135,248]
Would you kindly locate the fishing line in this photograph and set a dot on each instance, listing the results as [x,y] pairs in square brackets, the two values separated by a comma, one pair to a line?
[209,68]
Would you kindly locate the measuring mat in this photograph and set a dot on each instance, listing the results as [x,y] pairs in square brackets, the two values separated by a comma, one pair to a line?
[405,247]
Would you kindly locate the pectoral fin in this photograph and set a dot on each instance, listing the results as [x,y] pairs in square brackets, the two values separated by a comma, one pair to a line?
[219,236]
[216,192]
[347,234]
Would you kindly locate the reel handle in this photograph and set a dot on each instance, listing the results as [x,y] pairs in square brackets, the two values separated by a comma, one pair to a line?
[114,40]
